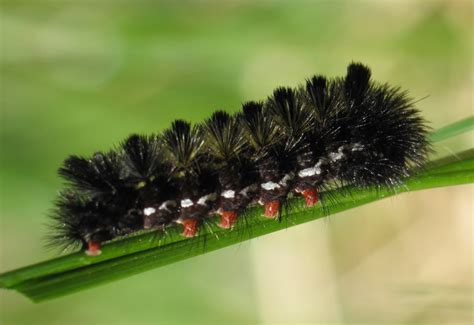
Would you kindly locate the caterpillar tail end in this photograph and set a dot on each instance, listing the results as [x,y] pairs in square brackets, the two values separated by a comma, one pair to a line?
[228,219]
[311,196]
[93,248]
[271,209]
[190,227]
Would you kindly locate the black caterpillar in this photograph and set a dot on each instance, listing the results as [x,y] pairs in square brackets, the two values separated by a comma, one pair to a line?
[339,131]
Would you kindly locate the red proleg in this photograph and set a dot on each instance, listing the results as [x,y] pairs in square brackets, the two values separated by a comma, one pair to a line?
[190,227]
[311,196]
[271,209]
[93,248]
[228,219]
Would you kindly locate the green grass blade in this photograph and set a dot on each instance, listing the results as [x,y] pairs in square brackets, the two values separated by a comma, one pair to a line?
[130,245]
[155,254]
[464,161]
[142,242]
[135,254]
[453,129]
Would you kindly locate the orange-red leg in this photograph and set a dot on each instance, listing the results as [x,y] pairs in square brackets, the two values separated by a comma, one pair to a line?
[93,248]
[271,209]
[190,227]
[228,219]
[311,196]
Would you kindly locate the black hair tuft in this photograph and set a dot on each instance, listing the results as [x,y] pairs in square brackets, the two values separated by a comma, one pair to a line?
[328,132]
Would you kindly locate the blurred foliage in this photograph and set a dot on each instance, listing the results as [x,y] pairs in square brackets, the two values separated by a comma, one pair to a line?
[79,76]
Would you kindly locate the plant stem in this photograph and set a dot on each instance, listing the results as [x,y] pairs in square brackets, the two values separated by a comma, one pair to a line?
[140,253]
[453,129]
[148,250]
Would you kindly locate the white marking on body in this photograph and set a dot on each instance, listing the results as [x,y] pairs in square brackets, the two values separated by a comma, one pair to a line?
[245,191]
[268,186]
[286,178]
[165,205]
[186,203]
[335,156]
[149,211]
[308,172]
[93,253]
[229,194]
[209,197]
[357,147]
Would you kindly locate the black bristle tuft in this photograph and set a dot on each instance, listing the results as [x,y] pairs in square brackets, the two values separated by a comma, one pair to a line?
[97,175]
[290,112]
[142,156]
[325,99]
[183,142]
[260,128]
[225,138]
[356,83]
[328,132]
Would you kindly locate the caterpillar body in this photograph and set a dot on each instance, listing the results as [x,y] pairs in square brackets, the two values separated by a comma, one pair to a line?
[299,141]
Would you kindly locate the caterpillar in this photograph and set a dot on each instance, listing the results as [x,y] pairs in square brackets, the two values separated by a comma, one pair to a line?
[324,133]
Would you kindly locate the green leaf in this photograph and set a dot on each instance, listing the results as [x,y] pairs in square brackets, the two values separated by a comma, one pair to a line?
[145,251]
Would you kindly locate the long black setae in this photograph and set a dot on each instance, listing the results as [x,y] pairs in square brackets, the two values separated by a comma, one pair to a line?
[339,131]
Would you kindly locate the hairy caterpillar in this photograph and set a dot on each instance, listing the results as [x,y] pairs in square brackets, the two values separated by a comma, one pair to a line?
[326,132]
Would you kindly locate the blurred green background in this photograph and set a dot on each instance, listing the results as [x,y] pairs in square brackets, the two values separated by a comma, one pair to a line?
[79,76]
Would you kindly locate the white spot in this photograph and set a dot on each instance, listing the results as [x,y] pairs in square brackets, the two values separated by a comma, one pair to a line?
[268,186]
[166,205]
[229,194]
[245,191]
[286,178]
[357,147]
[93,253]
[335,156]
[209,197]
[186,203]
[308,172]
[149,211]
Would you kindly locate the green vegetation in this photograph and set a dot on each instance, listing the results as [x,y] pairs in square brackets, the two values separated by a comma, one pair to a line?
[143,252]
[78,77]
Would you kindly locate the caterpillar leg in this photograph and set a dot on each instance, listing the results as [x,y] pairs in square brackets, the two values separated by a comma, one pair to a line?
[93,248]
[228,219]
[311,196]
[271,209]
[190,227]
